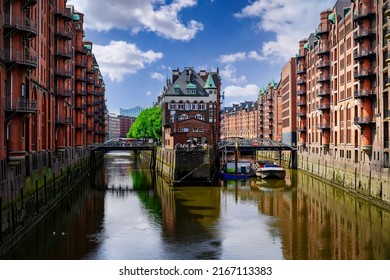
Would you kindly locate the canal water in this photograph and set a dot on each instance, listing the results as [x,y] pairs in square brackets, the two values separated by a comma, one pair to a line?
[126,212]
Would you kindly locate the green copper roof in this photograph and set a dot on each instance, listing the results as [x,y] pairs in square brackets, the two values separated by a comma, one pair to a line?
[76,17]
[210,83]
[190,85]
[177,86]
[272,84]
[88,47]
[332,17]
[307,46]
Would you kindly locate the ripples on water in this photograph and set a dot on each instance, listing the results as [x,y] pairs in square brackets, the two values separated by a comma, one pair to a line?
[130,214]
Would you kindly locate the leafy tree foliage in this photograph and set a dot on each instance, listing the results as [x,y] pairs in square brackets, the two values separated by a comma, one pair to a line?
[148,124]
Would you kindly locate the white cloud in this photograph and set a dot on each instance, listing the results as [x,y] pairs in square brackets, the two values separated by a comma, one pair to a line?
[290,20]
[157,76]
[229,58]
[249,92]
[229,74]
[120,58]
[148,93]
[138,15]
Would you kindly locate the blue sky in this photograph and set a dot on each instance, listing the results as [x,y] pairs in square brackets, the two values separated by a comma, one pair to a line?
[138,42]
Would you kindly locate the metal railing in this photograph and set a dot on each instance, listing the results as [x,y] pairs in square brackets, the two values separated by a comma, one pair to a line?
[21,105]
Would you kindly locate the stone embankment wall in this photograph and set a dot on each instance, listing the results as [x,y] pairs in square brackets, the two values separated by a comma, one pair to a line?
[187,167]
[31,200]
[369,182]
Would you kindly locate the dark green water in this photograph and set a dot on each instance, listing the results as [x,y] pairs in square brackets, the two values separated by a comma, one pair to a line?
[127,213]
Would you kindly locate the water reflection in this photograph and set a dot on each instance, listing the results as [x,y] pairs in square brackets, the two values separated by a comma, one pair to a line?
[129,213]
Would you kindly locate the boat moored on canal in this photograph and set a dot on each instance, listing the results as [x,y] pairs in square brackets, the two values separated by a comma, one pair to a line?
[266,169]
[232,170]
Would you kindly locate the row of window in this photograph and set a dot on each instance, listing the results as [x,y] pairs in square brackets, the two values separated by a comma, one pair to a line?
[181,105]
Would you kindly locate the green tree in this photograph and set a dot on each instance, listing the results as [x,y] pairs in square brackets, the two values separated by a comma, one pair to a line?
[148,124]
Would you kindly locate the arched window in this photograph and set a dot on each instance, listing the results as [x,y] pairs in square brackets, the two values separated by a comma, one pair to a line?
[195,106]
[188,106]
[181,105]
[202,106]
[173,105]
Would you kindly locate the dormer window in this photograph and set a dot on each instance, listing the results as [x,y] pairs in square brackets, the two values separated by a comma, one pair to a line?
[177,89]
[191,89]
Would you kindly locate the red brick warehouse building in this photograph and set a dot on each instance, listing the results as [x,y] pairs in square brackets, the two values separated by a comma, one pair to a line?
[52,94]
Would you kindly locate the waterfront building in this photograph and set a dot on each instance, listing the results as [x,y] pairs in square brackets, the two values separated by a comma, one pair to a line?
[133,112]
[288,111]
[191,105]
[342,75]
[51,113]
[240,120]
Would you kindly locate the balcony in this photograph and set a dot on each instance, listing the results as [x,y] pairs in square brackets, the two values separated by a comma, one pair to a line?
[81,49]
[301,103]
[64,12]
[363,32]
[301,92]
[20,58]
[323,64]
[301,70]
[63,120]
[301,81]
[364,93]
[81,63]
[21,24]
[64,52]
[364,53]
[64,73]
[82,77]
[325,125]
[300,56]
[81,92]
[63,92]
[323,49]
[301,129]
[368,120]
[363,73]
[64,32]
[363,13]
[21,105]
[323,93]
[323,78]
[301,114]
[322,29]
[323,106]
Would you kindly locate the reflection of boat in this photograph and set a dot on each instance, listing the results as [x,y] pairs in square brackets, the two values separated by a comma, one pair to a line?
[266,169]
[270,184]
[244,170]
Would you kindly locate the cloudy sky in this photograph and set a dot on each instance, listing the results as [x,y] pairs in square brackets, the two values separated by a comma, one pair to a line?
[138,42]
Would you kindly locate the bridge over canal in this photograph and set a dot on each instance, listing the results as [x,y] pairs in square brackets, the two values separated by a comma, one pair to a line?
[251,146]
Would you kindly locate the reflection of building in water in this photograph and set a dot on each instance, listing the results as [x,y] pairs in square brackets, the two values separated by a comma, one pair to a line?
[317,221]
[190,215]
